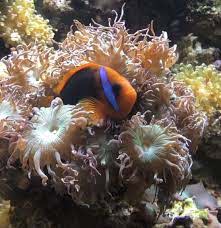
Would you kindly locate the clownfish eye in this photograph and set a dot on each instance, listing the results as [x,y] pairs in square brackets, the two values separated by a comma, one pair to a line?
[116,89]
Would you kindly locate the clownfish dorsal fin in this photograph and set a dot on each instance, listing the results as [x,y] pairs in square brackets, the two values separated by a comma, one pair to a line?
[97,117]
[108,90]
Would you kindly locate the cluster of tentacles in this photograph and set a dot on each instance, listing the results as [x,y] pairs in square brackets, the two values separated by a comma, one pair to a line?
[56,142]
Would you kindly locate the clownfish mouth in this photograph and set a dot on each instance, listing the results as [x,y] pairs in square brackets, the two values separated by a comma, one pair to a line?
[108,89]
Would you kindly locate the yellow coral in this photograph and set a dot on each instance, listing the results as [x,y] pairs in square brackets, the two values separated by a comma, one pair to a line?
[19,23]
[205,82]
[188,208]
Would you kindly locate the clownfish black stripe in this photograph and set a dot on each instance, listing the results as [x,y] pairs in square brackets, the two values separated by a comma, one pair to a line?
[80,86]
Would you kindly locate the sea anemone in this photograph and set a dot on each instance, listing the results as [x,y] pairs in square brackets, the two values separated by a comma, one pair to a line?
[156,150]
[82,184]
[154,95]
[14,111]
[30,70]
[154,53]
[105,45]
[5,133]
[48,139]
[189,121]
[105,148]
[114,47]
[28,66]
[8,110]
[13,104]
[58,142]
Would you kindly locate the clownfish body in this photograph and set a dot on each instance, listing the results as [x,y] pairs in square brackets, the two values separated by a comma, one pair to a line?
[99,89]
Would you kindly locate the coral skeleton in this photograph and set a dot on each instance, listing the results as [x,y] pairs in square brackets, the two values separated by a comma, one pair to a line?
[57,5]
[191,51]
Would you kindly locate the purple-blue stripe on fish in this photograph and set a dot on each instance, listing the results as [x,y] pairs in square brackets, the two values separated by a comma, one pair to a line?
[108,91]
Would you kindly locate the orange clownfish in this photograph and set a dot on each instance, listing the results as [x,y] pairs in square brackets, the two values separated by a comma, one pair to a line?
[99,89]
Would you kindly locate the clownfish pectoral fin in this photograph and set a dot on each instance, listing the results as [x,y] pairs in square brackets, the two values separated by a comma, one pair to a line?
[97,116]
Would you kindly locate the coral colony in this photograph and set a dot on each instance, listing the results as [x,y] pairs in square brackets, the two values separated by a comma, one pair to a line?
[19,23]
[58,143]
